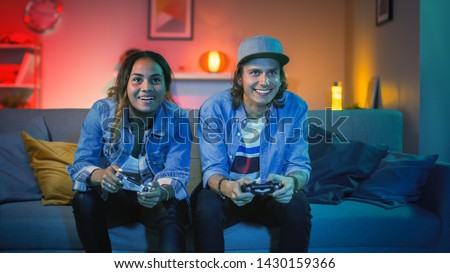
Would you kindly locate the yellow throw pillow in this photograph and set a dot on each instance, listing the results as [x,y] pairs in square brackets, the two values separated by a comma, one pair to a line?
[49,160]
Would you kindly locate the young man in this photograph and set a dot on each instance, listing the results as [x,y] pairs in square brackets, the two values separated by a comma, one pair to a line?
[254,134]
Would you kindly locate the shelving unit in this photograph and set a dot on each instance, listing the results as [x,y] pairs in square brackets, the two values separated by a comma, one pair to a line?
[20,73]
[190,90]
[195,76]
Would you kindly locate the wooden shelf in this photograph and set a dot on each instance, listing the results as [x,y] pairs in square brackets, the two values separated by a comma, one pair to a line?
[18,46]
[14,85]
[197,76]
[16,90]
[20,67]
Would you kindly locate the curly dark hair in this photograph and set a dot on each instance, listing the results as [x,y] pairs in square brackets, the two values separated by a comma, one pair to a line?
[237,91]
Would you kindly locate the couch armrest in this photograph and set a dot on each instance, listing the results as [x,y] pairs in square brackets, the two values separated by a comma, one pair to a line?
[436,198]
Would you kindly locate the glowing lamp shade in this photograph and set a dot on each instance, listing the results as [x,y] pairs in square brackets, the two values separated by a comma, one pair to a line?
[213,61]
[336,96]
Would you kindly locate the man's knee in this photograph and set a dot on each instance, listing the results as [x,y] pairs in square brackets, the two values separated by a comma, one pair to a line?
[208,204]
[299,207]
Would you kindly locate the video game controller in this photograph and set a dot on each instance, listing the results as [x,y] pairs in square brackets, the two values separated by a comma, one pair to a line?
[129,184]
[120,176]
[147,188]
[261,189]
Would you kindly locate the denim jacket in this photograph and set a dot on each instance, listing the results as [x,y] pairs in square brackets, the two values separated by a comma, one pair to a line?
[284,146]
[167,146]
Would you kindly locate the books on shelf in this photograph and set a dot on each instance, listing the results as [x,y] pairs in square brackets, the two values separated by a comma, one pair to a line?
[373,99]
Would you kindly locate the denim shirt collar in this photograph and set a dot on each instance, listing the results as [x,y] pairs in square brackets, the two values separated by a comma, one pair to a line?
[242,116]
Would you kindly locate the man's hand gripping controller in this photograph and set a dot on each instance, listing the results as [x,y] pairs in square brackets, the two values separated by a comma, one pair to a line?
[262,189]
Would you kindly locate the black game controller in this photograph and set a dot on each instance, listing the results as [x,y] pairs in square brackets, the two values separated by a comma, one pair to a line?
[261,189]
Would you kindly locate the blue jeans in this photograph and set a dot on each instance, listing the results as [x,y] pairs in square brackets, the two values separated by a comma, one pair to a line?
[212,215]
[94,216]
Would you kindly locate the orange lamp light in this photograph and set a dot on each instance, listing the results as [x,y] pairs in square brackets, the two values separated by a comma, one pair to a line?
[336,96]
[213,61]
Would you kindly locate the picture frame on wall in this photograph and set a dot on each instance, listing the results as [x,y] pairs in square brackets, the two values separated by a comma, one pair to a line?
[170,19]
[384,11]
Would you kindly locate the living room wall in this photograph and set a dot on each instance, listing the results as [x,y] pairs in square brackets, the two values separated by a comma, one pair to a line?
[391,52]
[434,78]
[79,56]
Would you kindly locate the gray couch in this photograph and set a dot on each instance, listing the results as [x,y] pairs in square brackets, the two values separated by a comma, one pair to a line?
[350,226]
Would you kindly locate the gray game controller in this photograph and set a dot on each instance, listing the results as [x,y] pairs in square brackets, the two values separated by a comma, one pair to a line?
[129,184]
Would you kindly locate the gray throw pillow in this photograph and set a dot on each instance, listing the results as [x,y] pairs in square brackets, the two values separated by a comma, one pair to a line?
[17,181]
[398,180]
[337,168]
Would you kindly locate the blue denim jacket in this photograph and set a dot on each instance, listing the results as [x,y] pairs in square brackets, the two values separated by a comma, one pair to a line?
[167,146]
[284,146]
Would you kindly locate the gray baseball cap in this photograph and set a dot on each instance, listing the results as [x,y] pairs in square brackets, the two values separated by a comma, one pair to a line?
[261,47]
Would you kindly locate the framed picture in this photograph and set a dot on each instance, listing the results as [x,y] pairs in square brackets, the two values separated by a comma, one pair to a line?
[384,11]
[170,19]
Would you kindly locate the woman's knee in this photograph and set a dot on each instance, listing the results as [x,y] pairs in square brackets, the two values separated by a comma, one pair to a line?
[86,202]
[173,211]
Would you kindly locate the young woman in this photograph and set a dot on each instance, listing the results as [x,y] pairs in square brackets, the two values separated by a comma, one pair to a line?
[132,161]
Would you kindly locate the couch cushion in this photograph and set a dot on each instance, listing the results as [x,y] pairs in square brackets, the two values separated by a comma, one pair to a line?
[397,180]
[16,176]
[31,227]
[120,238]
[58,127]
[49,160]
[53,230]
[242,237]
[250,237]
[354,224]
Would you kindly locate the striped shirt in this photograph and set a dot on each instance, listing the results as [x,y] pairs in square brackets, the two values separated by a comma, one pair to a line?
[246,161]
